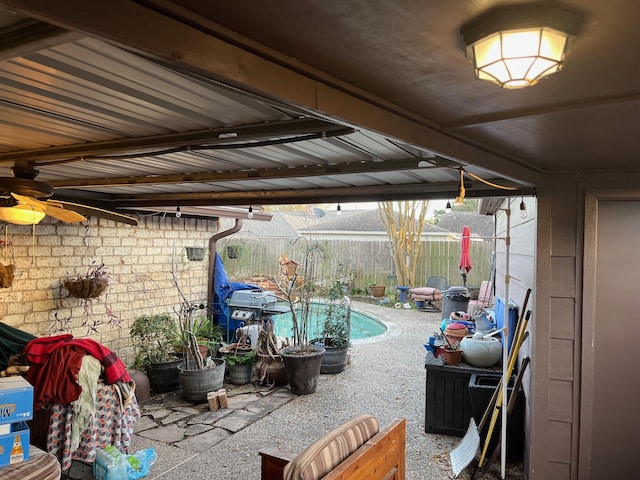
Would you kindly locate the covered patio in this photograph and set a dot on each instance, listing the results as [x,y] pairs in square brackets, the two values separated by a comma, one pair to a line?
[386,378]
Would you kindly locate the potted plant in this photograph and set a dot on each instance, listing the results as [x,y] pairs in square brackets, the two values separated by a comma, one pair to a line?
[335,330]
[240,367]
[208,336]
[376,290]
[154,338]
[302,361]
[198,374]
[89,284]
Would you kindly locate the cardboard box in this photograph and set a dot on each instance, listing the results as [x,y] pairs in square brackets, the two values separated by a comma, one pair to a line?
[16,400]
[14,446]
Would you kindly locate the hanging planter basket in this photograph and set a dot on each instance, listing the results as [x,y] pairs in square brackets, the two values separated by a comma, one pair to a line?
[7,274]
[195,254]
[87,288]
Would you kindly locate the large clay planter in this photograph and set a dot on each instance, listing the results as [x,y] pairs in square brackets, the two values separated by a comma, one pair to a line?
[377,290]
[143,389]
[303,368]
[197,383]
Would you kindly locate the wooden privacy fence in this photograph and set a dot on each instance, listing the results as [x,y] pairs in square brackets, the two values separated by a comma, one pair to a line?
[371,261]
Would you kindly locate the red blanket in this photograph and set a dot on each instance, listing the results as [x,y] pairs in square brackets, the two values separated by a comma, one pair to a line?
[56,380]
[55,362]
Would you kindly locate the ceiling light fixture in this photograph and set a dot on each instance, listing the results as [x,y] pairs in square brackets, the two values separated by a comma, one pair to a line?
[178,212]
[516,45]
[250,212]
[21,215]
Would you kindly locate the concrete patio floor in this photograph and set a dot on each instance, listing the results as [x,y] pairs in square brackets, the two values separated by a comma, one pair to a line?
[386,378]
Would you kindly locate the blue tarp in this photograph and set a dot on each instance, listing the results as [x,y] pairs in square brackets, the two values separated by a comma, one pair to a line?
[222,290]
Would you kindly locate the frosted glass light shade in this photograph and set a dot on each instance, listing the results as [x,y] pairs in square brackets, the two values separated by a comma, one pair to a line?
[21,215]
[515,45]
[519,58]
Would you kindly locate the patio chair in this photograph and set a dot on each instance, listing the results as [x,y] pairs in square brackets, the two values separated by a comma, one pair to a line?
[484,297]
[356,449]
[430,293]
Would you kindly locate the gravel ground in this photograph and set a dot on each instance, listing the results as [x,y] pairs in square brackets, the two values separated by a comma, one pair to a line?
[386,378]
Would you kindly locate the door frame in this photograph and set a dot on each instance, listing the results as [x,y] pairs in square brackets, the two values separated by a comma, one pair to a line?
[593,196]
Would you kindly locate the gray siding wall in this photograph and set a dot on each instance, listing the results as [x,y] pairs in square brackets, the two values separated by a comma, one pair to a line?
[553,398]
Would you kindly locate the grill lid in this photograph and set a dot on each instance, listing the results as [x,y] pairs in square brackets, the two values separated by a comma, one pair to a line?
[254,299]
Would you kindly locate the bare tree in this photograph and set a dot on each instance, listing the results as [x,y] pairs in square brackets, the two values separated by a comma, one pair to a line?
[404,222]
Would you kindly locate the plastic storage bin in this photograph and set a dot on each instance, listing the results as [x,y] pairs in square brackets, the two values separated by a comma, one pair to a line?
[481,388]
[447,399]
[498,316]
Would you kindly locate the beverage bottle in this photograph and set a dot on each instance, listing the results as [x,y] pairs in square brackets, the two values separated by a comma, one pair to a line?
[17,454]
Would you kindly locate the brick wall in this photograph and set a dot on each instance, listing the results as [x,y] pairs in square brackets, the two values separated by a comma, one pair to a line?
[153,251]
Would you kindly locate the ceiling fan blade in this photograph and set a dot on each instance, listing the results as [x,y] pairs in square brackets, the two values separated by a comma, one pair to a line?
[57,212]
[96,212]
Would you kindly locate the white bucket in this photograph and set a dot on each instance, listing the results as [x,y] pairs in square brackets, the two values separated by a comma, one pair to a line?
[251,331]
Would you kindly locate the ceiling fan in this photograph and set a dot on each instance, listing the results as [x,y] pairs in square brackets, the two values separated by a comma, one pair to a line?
[25,201]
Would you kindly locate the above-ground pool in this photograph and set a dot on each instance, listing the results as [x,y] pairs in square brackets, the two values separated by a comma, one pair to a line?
[362,325]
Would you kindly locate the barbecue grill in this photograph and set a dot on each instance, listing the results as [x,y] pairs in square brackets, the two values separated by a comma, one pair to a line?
[254,305]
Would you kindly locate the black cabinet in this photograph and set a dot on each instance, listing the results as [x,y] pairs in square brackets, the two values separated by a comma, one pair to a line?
[448,407]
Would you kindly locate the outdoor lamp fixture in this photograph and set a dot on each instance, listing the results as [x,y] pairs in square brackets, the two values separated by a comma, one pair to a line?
[21,215]
[523,209]
[250,212]
[448,206]
[338,210]
[516,45]
[461,191]
[178,212]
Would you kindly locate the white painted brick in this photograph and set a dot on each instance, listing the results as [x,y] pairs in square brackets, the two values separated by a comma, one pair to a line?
[19,307]
[63,251]
[39,273]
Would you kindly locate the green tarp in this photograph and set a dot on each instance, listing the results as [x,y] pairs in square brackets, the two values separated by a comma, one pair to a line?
[12,342]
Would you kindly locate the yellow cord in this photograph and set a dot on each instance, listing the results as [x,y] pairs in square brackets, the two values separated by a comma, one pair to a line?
[486,182]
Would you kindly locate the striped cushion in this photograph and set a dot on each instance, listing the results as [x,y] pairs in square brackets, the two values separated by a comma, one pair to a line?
[40,466]
[330,450]
[425,293]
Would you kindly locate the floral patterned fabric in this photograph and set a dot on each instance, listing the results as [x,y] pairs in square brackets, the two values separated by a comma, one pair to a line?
[112,425]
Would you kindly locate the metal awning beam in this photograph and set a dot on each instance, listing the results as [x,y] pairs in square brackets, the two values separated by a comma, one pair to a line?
[235,175]
[31,36]
[209,136]
[312,195]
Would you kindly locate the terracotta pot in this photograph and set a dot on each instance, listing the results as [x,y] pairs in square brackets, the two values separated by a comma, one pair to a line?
[143,388]
[377,290]
[451,357]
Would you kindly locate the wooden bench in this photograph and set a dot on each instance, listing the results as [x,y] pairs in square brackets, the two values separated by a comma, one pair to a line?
[380,457]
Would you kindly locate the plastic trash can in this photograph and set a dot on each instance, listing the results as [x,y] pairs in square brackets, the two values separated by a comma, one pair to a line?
[481,388]
[454,299]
